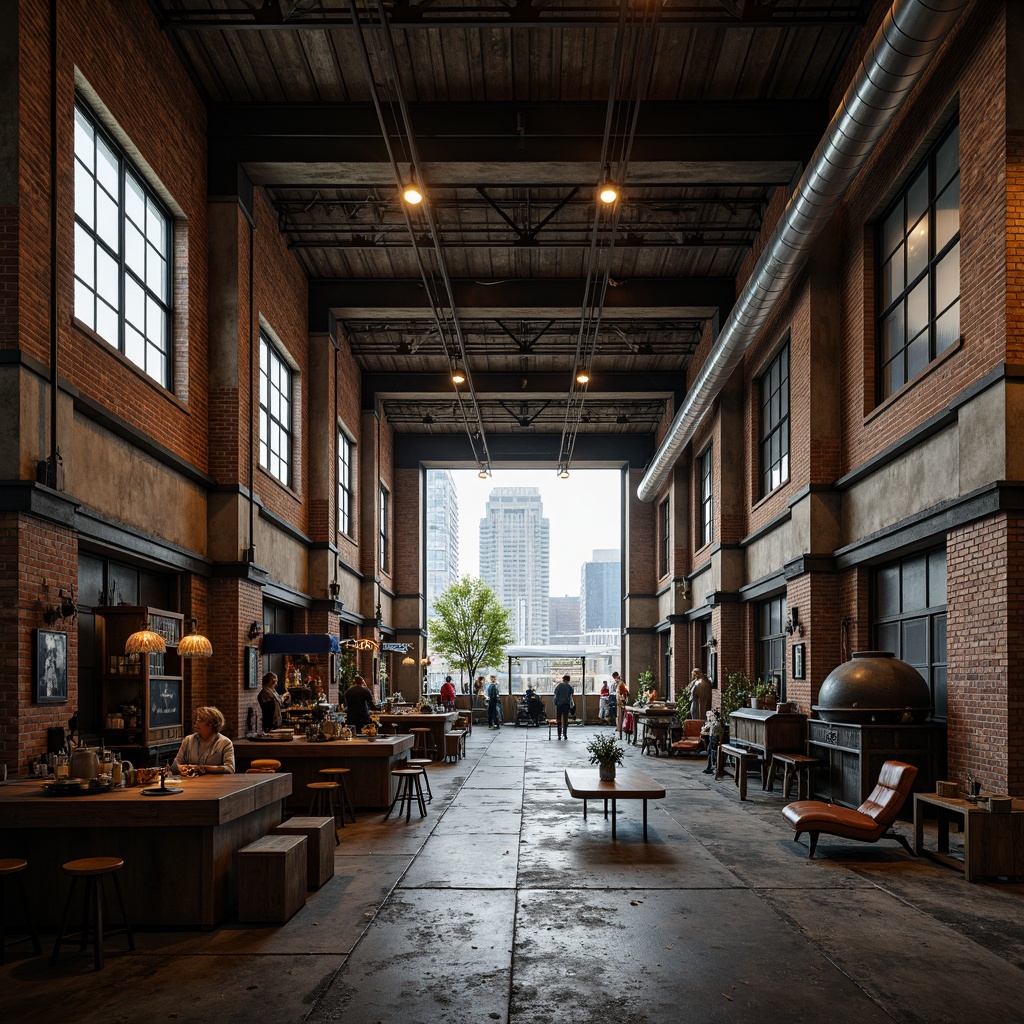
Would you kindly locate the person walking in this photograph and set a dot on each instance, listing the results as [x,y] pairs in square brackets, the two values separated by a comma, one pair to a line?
[493,696]
[621,700]
[563,700]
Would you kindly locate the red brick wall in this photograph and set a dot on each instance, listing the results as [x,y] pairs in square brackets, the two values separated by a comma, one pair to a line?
[9,277]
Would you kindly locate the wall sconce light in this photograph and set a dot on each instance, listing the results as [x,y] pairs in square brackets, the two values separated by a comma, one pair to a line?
[793,624]
[682,588]
[334,589]
[194,645]
[255,630]
[408,660]
[712,642]
[64,609]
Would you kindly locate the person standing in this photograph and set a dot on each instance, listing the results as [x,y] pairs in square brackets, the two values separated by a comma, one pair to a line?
[602,705]
[358,705]
[621,700]
[700,694]
[270,702]
[448,693]
[493,720]
[712,732]
[563,699]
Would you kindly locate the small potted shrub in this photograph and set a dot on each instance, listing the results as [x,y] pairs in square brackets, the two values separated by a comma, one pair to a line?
[606,754]
[764,695]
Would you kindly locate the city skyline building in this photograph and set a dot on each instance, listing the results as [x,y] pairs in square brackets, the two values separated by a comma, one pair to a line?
[601,592]
[515,559]
[564,615]
[442,542]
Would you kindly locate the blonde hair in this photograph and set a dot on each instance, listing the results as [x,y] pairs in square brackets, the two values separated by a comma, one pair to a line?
[211,715]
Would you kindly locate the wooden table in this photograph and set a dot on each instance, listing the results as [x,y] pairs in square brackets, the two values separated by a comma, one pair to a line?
[370,765]
[437,724]
[647,713]
[993,841]
[585,784]
[179,851]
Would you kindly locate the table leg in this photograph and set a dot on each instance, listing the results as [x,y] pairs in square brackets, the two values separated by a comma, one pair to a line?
[918,827]
[741,776]
[584,809]
[645,821]
[606,809]
[943,832]
[613,819]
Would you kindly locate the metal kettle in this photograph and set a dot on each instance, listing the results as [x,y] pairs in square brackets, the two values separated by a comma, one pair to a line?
[85,763]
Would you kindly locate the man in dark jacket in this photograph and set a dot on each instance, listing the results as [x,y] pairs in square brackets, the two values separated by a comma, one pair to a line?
[358,705]
[563,699]
[493,720]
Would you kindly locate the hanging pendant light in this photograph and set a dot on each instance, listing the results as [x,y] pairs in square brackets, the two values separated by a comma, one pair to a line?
[194,645]
[145,641]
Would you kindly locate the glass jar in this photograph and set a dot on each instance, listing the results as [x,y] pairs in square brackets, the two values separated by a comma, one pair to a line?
[62,766]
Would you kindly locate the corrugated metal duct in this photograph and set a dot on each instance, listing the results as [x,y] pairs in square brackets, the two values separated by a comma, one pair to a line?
[902,48]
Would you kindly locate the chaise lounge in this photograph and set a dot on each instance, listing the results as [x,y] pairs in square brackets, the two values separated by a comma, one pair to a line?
[869,823]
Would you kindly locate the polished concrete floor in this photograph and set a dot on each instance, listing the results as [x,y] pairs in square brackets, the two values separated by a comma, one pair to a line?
[503,904]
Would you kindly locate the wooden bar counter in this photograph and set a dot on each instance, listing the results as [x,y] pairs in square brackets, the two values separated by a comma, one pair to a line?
[369,782]
[437,724]
[179,851]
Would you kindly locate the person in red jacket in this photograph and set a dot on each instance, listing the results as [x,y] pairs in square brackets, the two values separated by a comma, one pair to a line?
[448,693]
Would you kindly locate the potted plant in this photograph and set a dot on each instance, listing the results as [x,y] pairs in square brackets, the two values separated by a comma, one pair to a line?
[645,683]
[606,754]
[764,694]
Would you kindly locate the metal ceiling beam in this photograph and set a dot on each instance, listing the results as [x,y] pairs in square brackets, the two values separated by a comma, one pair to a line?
[689,298]
[521,385]
[545,143]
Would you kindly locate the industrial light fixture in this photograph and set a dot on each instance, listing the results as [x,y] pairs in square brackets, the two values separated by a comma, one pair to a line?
[64,609]
[255,630]
[483,473]
[194,645]
[145,641]
[564,474]
[411,192]
[458,377]
[608,192]
[793,624]
[582,377]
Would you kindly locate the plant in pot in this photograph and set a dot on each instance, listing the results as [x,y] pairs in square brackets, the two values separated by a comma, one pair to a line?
[645,683]
[764,694]
[606,754]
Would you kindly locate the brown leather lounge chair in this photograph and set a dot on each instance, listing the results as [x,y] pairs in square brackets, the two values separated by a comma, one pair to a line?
[691,743]
[869,823]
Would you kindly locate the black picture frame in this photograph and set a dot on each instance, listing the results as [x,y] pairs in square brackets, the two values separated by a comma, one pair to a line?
[252,668]
[51,666]
[798,661]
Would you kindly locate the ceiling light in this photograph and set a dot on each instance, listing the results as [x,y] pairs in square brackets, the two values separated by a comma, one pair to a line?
[194,645]
[608,194]
[428,419]
[412,193]
[145,641]
[564,474]
[458,377]
[582,377]
[622,419]
[483,474]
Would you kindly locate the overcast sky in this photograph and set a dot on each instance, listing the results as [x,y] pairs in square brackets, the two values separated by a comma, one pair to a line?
[583,512]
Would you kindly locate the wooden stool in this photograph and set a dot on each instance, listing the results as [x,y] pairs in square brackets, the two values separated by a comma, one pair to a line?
[423,744]
[324,800]
[409,788]
[14,866]
[320,841]
[424,763]
[743,759]
[552,722]
[799,765]
[340,775]
[265,764]
[272,877]
[92,869]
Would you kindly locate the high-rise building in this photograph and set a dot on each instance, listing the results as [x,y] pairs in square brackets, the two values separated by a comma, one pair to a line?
[564,620]
[601,591]
[514,559]
[442,534]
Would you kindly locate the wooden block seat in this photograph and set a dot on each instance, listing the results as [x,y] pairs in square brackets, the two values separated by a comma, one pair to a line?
[798,766]
[320,842]
[272,878]
[93,870]
[13,868]
[743,759]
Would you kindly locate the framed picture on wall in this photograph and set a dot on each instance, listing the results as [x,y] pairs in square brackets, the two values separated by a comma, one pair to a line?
[51,667]
[798,661]
[252,668]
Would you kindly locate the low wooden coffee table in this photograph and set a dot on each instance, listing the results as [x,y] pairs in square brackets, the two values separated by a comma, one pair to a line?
[585,784]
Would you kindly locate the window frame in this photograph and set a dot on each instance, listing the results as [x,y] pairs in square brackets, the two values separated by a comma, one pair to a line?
[928,275]
[665,529]
[383,528]
[346,495]
[776,427]
[768,643]
[706,506]
[103,250]
[267,419]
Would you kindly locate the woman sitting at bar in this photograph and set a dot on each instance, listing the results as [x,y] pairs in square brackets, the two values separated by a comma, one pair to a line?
[206,751]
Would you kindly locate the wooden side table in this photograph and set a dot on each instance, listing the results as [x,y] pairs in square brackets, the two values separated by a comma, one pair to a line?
[993,841]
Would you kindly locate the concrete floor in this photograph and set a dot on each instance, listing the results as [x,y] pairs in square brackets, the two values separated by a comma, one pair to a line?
[504,905]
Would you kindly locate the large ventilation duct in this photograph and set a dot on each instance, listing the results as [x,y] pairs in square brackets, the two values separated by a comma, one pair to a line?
[901,50]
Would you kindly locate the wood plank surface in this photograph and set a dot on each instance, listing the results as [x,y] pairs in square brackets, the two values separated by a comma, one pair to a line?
[584,784]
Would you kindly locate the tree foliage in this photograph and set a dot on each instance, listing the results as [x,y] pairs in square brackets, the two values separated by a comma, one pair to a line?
[470,627]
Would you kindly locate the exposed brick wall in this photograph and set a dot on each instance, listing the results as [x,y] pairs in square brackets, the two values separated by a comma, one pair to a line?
[9,276]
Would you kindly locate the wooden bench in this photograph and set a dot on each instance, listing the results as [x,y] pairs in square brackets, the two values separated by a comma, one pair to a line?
[744,759]
[320,843]
[585,784]
[799,766]
[455,744]
[272,878]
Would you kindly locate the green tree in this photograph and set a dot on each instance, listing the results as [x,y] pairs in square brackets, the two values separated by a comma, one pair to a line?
[470,627]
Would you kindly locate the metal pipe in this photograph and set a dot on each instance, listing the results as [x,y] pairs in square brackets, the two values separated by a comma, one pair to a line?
[907,39]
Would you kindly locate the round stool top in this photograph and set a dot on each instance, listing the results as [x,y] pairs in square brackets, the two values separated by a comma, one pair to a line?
[265,762]
[321,785]
[260,771]
[335,771]
[419,762]
[93,865]
[12,865]
[406,771]
[420,728]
